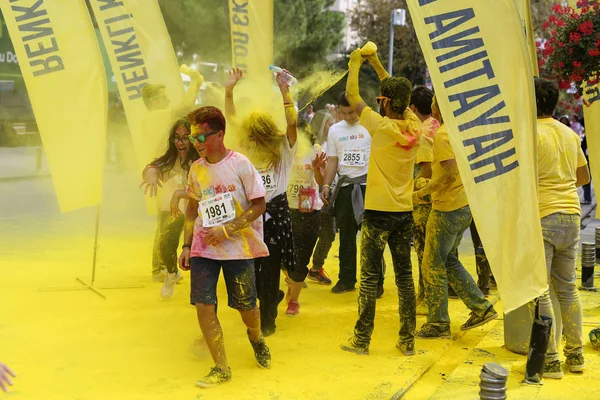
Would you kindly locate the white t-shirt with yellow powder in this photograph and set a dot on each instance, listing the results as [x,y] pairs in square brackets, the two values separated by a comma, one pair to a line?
[303,177]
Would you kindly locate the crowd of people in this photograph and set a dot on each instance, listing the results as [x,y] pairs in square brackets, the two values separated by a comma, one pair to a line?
[391,173]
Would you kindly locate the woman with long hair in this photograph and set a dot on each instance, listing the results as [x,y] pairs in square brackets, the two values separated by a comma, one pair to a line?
[272,153]
[169,172]
[305,208]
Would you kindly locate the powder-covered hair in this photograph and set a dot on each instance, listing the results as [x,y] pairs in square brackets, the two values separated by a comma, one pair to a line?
[208,115]
[149,91]
[399,91]
[263,132]
[546,96]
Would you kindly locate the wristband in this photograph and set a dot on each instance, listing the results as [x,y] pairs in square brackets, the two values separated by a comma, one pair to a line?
[189,246]
[327,186]
[225,232]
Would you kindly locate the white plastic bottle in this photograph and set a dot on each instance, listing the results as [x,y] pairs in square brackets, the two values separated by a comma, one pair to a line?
[287,77]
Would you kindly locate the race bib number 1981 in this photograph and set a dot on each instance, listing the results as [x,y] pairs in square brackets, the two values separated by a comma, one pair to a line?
[217,210]
[354,158]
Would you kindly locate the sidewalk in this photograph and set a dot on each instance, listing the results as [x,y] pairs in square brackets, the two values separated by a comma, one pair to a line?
[23,163]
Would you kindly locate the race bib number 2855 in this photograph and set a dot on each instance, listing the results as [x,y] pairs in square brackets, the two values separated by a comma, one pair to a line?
[217,210]
[354,158]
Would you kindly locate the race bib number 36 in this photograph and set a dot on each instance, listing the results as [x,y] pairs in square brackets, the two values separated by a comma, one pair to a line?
[268,179]
[217,210]
[354,158]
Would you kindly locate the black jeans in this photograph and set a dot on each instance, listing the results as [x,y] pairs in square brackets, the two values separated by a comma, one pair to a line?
[268,273]
[395,229]
[326,238]
[166,242]
[344,213]
[484,271]
[305,232]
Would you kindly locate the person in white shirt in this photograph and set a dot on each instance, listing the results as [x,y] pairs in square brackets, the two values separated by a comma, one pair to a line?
[272,153]
[305,208]
[348,151]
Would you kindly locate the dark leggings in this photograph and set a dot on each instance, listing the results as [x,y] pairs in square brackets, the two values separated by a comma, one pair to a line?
[166,242]
[305,232]
[326,238]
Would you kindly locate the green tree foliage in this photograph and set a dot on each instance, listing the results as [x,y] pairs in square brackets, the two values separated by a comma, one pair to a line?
[305,31]
[371,20]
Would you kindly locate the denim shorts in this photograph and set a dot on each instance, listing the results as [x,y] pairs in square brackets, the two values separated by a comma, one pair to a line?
[240,280]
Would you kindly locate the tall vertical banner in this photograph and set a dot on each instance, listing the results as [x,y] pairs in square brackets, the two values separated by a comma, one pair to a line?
[252,38]
[141,53]
[591,114]
[482,76]
[62,67]
[524,7]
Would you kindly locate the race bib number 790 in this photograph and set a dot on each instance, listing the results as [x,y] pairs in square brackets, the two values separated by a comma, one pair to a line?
[217,210]
[354,158]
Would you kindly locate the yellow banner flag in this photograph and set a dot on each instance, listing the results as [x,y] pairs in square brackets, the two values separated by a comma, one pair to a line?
[62,67]
[591,115]
[252,39]
[525,13]
[481,73]
[141,53]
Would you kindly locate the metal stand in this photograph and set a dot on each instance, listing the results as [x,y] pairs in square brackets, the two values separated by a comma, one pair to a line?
[91,286]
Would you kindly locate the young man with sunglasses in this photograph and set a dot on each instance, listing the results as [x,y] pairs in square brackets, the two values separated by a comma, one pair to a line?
[388,207]
[223,230]
[348,153]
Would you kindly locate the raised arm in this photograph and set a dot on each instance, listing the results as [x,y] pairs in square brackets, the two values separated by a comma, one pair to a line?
[234,77]
[376,64]
[291,116]
[189,100]
[352,88]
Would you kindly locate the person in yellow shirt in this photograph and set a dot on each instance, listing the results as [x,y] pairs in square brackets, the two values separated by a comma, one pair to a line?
[449,219]
[388,204]
[420,104]
[562,168]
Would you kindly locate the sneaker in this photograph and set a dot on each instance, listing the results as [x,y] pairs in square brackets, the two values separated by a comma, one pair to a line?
[352,347]
[408,349]
[261,352]
[319,276]
[159,276]
[293,308]
[553,370]
[575,362]
[168,286]
[380,291]
[340,288]
[475,320]
[215,377]
[429,331]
